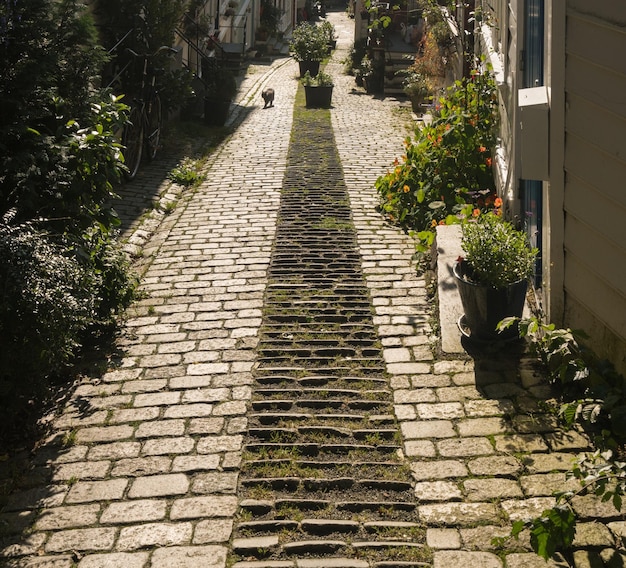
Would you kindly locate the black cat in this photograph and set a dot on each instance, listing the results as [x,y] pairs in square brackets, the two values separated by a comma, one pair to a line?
[268,97]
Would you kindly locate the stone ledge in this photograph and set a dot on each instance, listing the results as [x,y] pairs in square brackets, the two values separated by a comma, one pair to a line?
[448,247]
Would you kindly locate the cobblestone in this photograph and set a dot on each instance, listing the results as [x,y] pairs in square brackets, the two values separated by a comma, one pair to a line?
[67,517]
[115,560]
[159,486]
[203,507]
[134,512]
[91,491]
[459,514]
[134,467]
[154,534]
[81,539]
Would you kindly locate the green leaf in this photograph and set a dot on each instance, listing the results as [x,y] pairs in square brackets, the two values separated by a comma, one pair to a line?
[506,323]
[553,531]
[540,541]
[617,501]
[569,412]
[518,527]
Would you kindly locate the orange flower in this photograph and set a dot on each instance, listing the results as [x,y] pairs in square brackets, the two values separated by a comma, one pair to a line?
[406,189]
[442,222]
[482,149]
[396,162]
[433,223]
[476,213]
[498,202]
[488,162]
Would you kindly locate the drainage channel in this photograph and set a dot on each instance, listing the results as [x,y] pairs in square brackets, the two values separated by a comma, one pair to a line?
[323,482]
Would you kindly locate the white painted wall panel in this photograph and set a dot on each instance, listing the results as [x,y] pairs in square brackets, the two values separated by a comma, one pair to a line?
[595,174]
[600,127]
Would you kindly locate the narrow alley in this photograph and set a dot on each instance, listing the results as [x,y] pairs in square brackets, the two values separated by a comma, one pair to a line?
[279,400]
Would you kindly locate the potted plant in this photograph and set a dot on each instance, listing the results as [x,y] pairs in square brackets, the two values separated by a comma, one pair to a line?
[329,33]
[318,90]
[492,277]
[416,89]
[308,47]
[220,89]
[373,74]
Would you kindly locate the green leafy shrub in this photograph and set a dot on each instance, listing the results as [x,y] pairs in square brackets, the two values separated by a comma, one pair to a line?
[594,392]
[49,49]
[448,164]
[115,283]
[187,173]
[47,300]
[593,396]
[49,63]
[328,30]
[61,272]
[53,293]
[497,254]
[308,43]
[355,56]
[320,80]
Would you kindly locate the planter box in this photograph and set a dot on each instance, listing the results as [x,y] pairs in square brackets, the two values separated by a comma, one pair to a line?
[313,67]
[318,97]
[373,85]
[484,307]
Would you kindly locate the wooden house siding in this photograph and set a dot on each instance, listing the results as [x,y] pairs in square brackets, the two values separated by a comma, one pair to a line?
[595,175]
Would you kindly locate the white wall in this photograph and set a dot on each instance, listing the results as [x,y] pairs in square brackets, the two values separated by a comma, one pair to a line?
[595,174]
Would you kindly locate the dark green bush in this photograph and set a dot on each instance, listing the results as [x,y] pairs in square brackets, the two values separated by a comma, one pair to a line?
[115,283]
[47,300]
[53,294]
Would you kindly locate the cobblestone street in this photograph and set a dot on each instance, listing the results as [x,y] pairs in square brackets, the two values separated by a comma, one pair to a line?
[146,465]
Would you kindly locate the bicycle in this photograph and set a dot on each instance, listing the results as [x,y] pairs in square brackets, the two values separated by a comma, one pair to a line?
[142,132]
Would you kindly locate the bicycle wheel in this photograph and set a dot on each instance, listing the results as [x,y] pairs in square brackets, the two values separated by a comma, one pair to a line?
[132,140]
[155,119]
